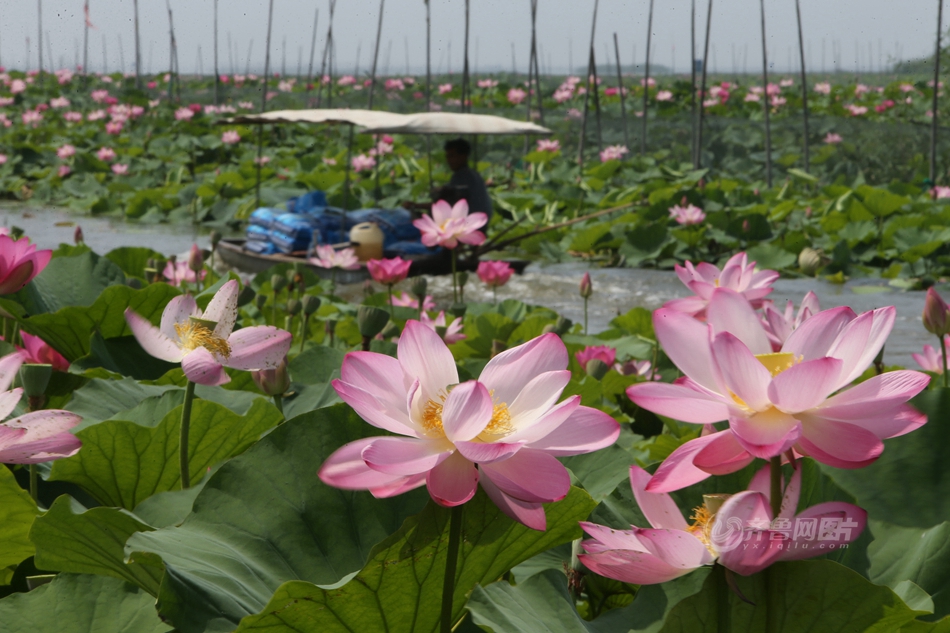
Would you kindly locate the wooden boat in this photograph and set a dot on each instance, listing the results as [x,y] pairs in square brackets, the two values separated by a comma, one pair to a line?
[233,253]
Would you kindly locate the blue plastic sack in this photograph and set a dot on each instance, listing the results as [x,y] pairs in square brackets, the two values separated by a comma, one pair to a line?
[257,233]
[308,202]
[292,232]
[263,217]
[401,249]
[261,248]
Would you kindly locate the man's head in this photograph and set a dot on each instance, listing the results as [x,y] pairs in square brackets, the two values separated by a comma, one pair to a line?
[456,153]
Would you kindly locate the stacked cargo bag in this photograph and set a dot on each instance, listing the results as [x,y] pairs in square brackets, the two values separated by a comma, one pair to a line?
[258,232]
[309,202]
[327,222]
[292,232]
[263,218]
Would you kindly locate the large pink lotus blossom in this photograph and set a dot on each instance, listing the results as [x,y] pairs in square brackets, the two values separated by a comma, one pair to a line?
[37,437]
[449,225]
[780,325]
[450,332]
[106,154]
[604,353]
[406,300]
[503,431]
[20,262]
[328,257]
[516,96]
[614,152]
[742,534]
[549,145]
[738,274]
[687,215]
[38,352]
[794,399]
[388,271]
[494,273]
[204,343]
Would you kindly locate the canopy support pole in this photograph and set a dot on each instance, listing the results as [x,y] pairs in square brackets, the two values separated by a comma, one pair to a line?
[646,83]
[765,101]
[702,92]
[379,33]
[801,52]
[623,108]
[346,183]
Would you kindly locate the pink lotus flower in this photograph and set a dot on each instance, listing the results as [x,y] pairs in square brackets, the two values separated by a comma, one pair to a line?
[203,342]
[636,367]
[106,154]
[779,326]
[99,95]
[487,83]
[664,95]
[20,262]
[184,114]
[777,401]
[406,300]
[66,151]
[494,273]
[177,273]
[73,117]
[31,117]
[823,88]
[346,80]
[362,162]
[856,110]
[152,85]
[114,127]
[37,437]
[388,271]
[445,88]
[17,86]
[263,160]
[449,333]
[651,83]
[752,97]
[230,137]
[688,215]
[447,226]
[59,102]
[614,152]
[329,161]
[931,359]
[327,257]
[395,84]
[742,534]
[549,145]
[599,352]
[738,274]
[37,352]
[63,171]
[516,96]
[95,115]
[503,431]
[3,159]
[120,169]
[832,139]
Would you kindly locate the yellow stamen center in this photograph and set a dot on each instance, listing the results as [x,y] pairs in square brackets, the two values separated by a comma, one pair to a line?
[704,518]
[195,334]
[498,426]
[778,362]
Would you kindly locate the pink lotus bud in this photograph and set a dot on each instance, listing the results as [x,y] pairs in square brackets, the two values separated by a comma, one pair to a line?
[936,315]
[273,382]
[587,289]
[77,235]
[196,261]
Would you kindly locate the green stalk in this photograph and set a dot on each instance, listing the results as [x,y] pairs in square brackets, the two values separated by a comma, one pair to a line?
[455,283]
[494,294]
[451,564]
[34,491]
[775,494]
[304,322]
[274,309]
[585,316]
[943,349]
[279,403]
[183,440]
[392,310]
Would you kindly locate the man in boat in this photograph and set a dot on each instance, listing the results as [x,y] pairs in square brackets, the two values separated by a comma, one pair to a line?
[466,183]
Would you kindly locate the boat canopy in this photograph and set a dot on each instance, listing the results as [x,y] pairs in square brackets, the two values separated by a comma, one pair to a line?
[456,123]
[361,118]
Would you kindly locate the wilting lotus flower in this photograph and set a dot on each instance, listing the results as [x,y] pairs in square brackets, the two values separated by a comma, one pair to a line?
[741,534]
[503,431]
[106,154]
[738,274]
[688,215]
[230,137]
[328,257]
[494,273]
[449,333]
[449,225]
[406,300]
[777,401]
[19,263]
[204,343]
[37,352]
[601,352]
[779,326]
[388,271]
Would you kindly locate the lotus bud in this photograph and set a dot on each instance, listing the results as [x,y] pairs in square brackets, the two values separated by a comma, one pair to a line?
[196,261]
[35,379]
[78,236]
[562,326]
[293,307]
[936,315]
[371,320]
[587,288]
[247,295]
[497,347]
[310,304]
[260,301]
[278,282]
[299,282]
[390,331]
[215,238]
[273,382]
[809,260]
[419,288]
[597,368]
[458,309]
[463,278]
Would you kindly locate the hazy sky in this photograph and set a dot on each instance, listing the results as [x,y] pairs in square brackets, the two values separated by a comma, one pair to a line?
[887,27]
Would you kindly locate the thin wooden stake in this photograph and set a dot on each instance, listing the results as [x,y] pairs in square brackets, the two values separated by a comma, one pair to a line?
[379,33]
[623,109]
[85,44]
[121,55]
[801,50]
[466,87]
[313,49]
[590,70]
[326,53]
[596,90]
[933,121]
[702,91]
[260,127]
[39,29]
[247,62]
[217,75]
[692,83]
[429,88]
[646,83]
[138,48]
[765,102]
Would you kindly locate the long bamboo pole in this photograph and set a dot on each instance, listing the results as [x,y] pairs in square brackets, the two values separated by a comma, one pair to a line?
[596,89]
[590,70]
[121,55]
[692,83]
[138,48]
[326,53]
[379,34]
[39,20]
[85,44]
[260,127]
[313,49]
[429,88]
[537,69]
[933,121]
[702,90]
[765,101]
[623,108]
[804,78]
[217,75]
[646,83]
[466,87]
